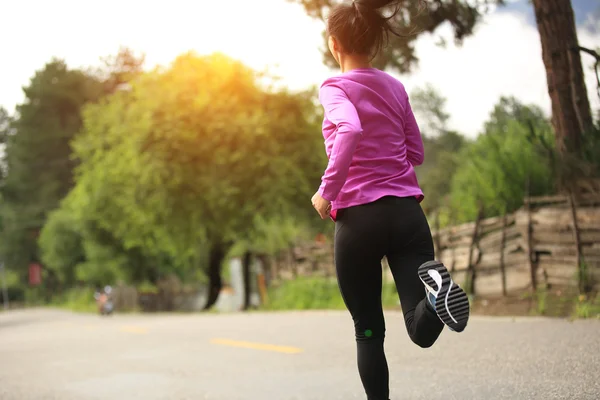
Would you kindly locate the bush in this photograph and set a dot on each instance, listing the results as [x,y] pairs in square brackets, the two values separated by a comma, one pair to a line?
[77,299]
[16,294]
[147,287]
[588,307]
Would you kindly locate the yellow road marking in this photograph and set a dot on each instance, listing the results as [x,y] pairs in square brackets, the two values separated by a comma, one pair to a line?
[134,329]
[257,346]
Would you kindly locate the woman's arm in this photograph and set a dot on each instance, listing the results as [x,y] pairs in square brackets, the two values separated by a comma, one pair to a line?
[340,111]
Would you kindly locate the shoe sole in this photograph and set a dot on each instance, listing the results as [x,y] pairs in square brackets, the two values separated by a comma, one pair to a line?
[452,303]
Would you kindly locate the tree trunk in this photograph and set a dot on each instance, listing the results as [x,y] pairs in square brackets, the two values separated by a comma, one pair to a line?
[246,263]
[267,267]
[571,113]
[215,262]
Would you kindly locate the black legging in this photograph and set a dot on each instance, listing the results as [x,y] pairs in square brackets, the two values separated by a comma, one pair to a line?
[396,228]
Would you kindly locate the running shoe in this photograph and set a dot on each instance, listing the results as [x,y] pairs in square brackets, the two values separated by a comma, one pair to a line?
[450,302]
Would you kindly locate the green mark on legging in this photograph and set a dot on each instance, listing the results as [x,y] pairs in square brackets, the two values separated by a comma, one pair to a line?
[368,333]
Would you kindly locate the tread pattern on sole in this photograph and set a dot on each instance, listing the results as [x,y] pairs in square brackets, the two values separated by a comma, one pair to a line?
[452,303]
[424,275]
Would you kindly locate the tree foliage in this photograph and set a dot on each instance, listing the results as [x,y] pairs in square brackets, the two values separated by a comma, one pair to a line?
[512,157]
[6,130]
[430,109]
[198,150]
[138,175]
[117,71]
[504,164]
[184,162]
[411,21]
[442,147]
[39,171]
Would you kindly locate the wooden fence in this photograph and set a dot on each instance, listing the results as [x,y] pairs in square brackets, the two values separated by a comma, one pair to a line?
[550,241]
[304,259]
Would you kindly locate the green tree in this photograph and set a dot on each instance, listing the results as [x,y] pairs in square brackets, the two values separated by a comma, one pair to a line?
[117,71]
[412,20]
[430,107]
[6,130]
[38,159]
[442,151]
[185,161]
[5,125]
[76,249]
[504,164]
[37,156]
[61,245]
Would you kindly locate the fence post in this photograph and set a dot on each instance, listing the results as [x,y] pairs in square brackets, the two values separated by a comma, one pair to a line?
[292,261]
[530,250]
[276,267]
[452,251]
[502,247]
[581,269]
[471,273]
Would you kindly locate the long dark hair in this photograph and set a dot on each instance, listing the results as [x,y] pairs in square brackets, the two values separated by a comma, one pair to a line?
[361,26]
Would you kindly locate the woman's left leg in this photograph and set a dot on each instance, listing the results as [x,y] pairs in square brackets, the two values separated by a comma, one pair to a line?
[359,247]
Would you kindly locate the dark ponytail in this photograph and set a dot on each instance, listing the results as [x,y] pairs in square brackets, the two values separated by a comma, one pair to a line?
[373,4]
[363,26]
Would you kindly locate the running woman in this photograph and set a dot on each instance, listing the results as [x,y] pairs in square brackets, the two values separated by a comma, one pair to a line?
[370,190]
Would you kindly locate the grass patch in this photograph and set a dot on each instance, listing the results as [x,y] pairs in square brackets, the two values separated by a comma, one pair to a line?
[77,299]
[317,293]
[542,302]
[305,294]
[147,287]
[567,303]
[562,302]
[587,307]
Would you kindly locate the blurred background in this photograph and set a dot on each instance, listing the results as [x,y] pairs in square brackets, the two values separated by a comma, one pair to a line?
[170,149]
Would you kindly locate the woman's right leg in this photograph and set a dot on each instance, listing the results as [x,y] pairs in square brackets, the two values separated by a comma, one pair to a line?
[410,246]
[422,323]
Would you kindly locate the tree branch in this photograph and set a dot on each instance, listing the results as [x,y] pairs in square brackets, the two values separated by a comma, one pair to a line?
[596,66]
[591,52]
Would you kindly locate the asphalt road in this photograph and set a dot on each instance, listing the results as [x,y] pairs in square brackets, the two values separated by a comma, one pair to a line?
[46,355]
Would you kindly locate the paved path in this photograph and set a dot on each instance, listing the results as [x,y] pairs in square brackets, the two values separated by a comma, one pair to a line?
[46,355]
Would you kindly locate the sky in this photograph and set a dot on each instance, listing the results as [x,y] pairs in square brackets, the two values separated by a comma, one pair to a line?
[503,58]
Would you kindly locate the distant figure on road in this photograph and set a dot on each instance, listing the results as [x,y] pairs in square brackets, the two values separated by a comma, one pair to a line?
[103,301]
[371,191]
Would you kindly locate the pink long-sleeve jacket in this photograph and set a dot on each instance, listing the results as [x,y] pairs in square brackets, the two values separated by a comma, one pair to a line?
[372,139]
